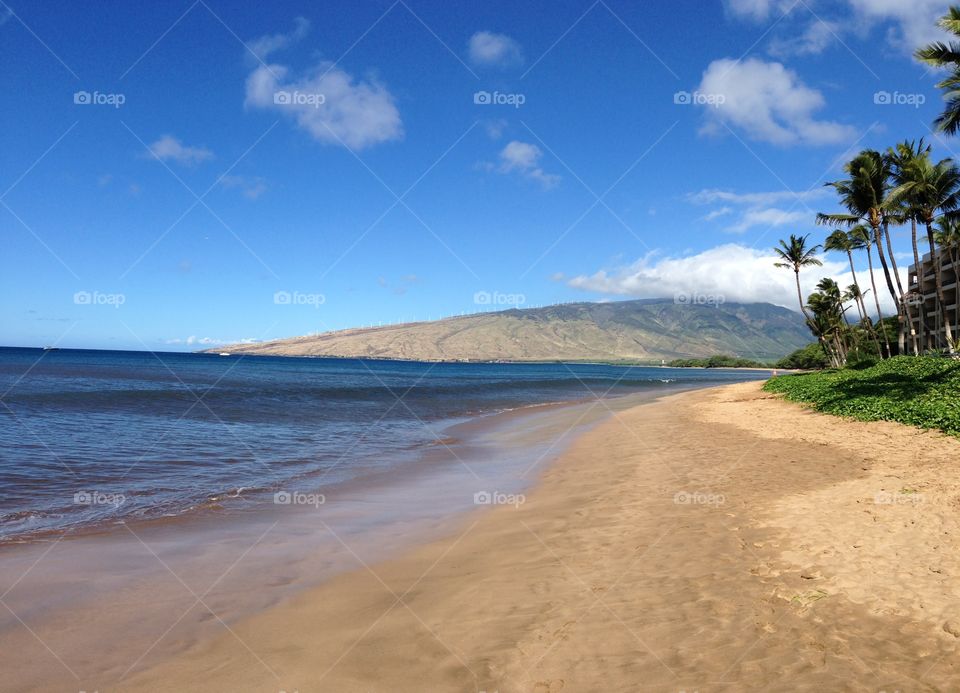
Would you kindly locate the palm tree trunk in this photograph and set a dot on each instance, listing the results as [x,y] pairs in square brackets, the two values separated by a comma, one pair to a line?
[862,306]
[878,239]
[859,298]
[803,310]
[938,274]
[845,334]
[876,298]
[903,308]
[921,318]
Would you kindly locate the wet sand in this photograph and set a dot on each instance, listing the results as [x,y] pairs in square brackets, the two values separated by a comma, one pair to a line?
[715,540]
[88,610]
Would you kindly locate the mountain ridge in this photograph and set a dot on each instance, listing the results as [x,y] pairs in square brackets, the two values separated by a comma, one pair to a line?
[632,330]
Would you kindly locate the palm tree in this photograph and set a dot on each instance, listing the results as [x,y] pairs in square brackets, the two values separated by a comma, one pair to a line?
[900,159]
[794,254]
[841,242]
[846,242]
[854,294]
[947,236]
[861,237]
[864,195]
[940,54]
[828,314]
[933,189]
[898,217]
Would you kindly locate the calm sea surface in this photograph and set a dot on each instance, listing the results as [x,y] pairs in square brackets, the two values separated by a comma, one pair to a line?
[90,437]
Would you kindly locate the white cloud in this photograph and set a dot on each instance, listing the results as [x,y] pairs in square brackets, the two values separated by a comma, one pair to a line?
[494,50]
[767,102]
[907,24]
[759,10]
[732,272]
[169,148]
[910,24]
[265,45]
[524,158]
[328,103]
[252,187]
[520,155]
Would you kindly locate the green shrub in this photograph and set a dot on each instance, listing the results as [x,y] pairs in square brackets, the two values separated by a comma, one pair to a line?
[718,361]
[919,391]
[808,358]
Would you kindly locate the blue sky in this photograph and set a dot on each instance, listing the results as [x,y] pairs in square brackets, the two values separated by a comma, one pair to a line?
[618,150]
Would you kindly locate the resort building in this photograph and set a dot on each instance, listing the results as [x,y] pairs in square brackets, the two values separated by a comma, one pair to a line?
[924,306]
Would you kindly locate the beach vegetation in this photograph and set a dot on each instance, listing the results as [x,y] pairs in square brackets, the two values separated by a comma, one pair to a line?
[718,361]
[919,391]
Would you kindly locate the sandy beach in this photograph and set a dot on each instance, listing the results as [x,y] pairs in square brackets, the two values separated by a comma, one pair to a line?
[714,540]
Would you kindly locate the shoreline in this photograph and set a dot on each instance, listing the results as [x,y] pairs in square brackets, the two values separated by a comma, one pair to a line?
[69,600]
[713,540]
[455,438]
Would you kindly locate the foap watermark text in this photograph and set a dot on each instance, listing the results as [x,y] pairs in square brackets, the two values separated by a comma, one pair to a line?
[497,98]
[297,498]
[298,298]
[699,498]
[495,298]
[498,498]
[99,498]
[697,299]
[98,98]
[698,98]
[98,298]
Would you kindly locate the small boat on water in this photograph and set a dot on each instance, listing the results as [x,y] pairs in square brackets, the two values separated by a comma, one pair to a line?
[225,353]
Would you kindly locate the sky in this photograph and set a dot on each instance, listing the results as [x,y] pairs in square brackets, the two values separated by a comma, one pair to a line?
[185,174]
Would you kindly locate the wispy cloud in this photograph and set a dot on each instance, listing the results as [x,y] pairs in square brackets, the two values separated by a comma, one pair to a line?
[758,10]
[812,40]
[807,28]
[169,148]
[770,217]
[764,209]
[265,45]
[252,187]
[711,195]
[193,340]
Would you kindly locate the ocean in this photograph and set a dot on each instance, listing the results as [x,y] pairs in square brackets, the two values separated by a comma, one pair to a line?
[90,438]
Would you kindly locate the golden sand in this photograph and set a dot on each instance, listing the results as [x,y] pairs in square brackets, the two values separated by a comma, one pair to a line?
[716,540]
